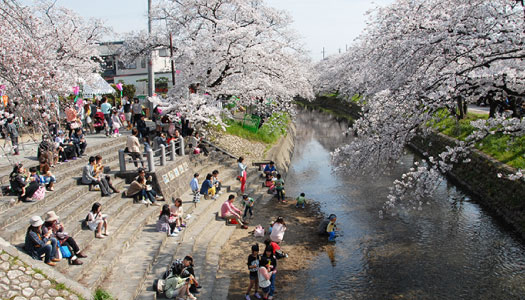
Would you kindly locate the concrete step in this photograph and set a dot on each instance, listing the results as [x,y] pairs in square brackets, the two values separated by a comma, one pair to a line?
[139,259]
[206,250]
[104,254]
[202,214]
[78,200]
[66,177]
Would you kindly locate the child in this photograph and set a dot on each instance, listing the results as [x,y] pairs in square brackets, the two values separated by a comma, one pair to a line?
[116,123]
[269,183]
[279,187]
[248,203]
[253,267]
[331,228]
[277,252]
[301,201]
[194,184]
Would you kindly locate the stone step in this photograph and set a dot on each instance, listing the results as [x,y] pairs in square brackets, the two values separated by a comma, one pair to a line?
[103,254]
[206,253]
[104,148]
[67,176]
[76,201]
[143,254]
[202,214]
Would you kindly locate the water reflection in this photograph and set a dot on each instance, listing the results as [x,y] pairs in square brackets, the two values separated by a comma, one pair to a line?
[452,249]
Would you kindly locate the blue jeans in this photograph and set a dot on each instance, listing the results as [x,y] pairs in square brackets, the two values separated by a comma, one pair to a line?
[280,194]
[48,250]
[272,285]
[246,210]
[332,236]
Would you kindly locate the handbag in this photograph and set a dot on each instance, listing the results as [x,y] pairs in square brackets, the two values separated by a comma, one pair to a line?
[64,250]
[40,193]
[259,231]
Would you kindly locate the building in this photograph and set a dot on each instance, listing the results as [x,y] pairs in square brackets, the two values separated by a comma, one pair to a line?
[136,73]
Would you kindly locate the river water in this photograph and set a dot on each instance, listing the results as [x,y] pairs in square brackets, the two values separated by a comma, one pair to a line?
[452,249]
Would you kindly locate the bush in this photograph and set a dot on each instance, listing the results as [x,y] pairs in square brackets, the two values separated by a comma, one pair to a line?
[100,294]
[269,133]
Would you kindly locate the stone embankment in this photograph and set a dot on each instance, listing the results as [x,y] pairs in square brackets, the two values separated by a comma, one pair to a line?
[479,177]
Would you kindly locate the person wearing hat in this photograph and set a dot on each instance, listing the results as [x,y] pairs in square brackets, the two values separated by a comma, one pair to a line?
[53,225]
[38,244]
[253,267]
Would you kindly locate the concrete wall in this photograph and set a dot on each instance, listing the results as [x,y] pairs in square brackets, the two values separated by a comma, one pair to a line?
[504,197]
[281,153]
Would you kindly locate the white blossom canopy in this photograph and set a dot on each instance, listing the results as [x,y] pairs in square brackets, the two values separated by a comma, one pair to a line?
[230,48]
[417,57]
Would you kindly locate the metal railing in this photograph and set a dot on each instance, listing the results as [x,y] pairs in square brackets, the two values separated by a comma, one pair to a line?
[153,157]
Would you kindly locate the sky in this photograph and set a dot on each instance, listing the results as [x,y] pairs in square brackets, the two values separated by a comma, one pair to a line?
[332,24]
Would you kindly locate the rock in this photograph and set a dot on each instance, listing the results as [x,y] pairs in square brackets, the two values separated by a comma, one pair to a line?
[28,292]
[23,269]
[11,294]
[39,276]
[35,298]
[4,257]
[30,272]
[4,266]
[20,298]
[35,284]
[52,292]
[5,280]
[24,278]
[14,274]
[15,282]
[40,292]
[59,298]
[4,287]
[73,297]
[45,284]
[24,285]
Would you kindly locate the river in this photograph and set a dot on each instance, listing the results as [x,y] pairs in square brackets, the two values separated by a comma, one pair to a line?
[452,249]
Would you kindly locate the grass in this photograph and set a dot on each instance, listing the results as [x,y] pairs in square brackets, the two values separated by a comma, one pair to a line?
[504,148]
[101,294]
[269,133]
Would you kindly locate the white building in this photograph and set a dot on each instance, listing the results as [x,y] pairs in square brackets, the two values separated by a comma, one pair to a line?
[135,73]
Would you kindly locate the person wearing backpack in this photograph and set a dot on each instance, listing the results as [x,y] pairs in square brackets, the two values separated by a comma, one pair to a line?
[253,268]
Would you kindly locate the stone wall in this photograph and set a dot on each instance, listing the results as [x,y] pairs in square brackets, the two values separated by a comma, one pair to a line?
[23,278]
[504,197]
[281,153]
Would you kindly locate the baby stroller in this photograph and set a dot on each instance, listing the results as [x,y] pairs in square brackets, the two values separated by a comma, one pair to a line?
[99,122]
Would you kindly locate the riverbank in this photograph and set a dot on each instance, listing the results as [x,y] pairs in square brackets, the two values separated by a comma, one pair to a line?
[299,242]
[502,197]
[340,109]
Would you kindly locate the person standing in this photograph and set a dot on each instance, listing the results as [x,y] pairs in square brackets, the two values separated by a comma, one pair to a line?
[133,147]
[253,268]
[127,111]
[242,173]
[13,135]
[105,107]
[137,111]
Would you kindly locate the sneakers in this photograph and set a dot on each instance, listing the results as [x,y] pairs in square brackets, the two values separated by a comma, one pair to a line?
[257,295]
[244,227]
[248,297]
[174,234]
[144,202]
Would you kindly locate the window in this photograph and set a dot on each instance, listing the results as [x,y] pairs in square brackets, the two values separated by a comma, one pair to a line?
[124,66]
[164,52]
[143,63]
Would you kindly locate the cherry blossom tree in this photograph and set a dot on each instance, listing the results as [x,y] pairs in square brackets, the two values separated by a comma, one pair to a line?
[414,59]
[230,48]
[46,50]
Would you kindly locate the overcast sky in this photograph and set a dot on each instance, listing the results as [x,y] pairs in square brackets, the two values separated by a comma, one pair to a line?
[332,24]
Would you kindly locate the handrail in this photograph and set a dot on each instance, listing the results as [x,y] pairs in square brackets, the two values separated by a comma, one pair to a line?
[150,155]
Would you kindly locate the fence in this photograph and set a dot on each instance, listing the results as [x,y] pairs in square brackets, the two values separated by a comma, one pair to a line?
[153,157]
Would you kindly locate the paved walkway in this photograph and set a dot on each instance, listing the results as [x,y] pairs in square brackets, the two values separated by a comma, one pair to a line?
[478,109]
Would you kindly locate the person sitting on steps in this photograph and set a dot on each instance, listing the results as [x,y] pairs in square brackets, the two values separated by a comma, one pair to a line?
[97,221]
[207,188]
[45,174]
[90,178]
[53,224]
[37,244]
[229,212]
[270,168]
[99,171]
[177,212]
[165,223]
[79,141]
[141,190]
[21,184]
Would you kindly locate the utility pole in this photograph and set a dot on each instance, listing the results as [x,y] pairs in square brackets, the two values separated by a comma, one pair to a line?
[172,62]
[323,53]
[151,75]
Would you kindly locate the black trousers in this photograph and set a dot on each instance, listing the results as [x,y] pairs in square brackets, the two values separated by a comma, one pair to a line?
[72,244]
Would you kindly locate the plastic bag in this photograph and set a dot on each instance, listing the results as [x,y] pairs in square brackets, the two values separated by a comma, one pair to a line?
[259,231]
